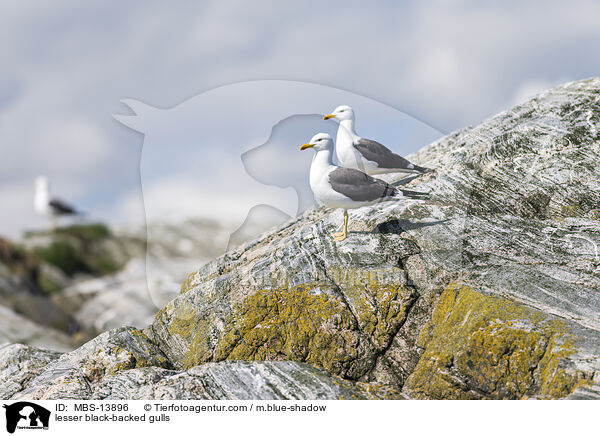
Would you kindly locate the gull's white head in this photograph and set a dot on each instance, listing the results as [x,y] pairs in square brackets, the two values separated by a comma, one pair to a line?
[343,112]
[41,183]
[321,141]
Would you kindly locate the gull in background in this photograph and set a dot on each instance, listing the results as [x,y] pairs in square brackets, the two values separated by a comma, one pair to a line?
[364,154]
[47,206]
[347,188]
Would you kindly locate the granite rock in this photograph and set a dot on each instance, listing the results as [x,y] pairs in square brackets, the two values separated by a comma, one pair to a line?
[512,223]
[488,290]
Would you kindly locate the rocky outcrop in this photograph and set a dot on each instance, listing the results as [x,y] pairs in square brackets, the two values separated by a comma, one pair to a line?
[19,364]
[65,288]
[490,289]
[82,249]
[35,271]
[151,277]
[15,328]
[73,375]
[22,293]
[237,381]
[104,303]
[124,364]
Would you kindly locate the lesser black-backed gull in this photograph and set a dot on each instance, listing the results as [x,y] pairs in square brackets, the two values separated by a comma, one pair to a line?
[364,154]
[346,188]
[47,206]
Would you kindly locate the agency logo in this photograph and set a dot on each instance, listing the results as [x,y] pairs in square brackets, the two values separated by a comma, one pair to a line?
[26,415]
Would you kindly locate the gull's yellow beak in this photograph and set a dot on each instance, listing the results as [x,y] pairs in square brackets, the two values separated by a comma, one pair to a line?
[326,117]
[307,145]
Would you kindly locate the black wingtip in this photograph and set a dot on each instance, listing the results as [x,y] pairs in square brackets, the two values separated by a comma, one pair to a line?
[424,170]
[415,195]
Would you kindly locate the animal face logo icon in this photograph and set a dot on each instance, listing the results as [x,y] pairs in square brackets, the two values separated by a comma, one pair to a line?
[26,415]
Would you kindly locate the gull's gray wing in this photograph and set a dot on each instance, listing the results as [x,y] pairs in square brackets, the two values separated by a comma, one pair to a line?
[383,156]
[61,208]
[359,186]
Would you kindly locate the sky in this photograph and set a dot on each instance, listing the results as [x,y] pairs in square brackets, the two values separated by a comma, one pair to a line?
[68,64]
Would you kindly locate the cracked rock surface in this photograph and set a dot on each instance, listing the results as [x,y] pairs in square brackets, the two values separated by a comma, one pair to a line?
[489,289]
[511,234]
[124,364]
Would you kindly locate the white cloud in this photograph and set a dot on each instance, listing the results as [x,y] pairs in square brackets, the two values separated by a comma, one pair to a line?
[71,145]
[69,63]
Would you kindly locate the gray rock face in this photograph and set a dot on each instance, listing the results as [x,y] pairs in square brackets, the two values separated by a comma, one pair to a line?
[512,225]
[19,364]
[524,194]
[490,289]
[20,291]
[51,306]
[233,381]
[15,328]
[149,280]
[123,364]
[109,302]
[73,375]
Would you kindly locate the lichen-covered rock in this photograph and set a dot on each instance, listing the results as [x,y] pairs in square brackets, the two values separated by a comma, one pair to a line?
[481,346]
[489,289]
[19,364]
[513,216]
[122,364]
[294,297]
[73,375]
[236,381]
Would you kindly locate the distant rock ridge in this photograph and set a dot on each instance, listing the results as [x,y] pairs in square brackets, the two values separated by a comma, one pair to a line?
[67,286]
[490,290]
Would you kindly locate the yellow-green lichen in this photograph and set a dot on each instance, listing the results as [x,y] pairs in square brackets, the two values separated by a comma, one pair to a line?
[340,331]
[135,352]
[380,309]
[188,325]
[108,361]
[570,210]
[187,283]
[479,346]
[291,324]
[377,391]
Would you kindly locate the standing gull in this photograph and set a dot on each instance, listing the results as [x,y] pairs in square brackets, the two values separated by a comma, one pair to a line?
[46,206]
[346,188]
[365,154]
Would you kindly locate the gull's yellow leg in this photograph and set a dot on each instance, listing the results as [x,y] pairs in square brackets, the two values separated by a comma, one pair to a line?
[340,236]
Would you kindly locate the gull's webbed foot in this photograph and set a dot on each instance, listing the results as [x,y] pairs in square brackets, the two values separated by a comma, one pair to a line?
[339,236]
